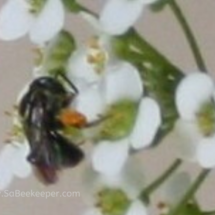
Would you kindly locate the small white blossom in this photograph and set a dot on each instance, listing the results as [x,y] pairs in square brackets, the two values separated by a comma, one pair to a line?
[196,126]
[13,162]
[41,19]
[89,62]
[121,82]
[127,185]
[13,155]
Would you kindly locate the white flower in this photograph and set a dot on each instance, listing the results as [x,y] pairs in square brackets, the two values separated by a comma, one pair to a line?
[89,62]
[13,155]
[121,82]
[125,186]
[103,80]
[118,16]
[13,163]
[41,19]
[196,126]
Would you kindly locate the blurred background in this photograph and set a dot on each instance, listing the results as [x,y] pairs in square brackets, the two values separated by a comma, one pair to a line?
[162,30]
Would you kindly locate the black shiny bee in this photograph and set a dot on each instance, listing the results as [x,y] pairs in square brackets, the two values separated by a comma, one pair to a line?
[50,151]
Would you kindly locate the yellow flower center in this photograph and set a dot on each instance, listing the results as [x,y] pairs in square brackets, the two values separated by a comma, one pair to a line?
[114,202]
[97,55]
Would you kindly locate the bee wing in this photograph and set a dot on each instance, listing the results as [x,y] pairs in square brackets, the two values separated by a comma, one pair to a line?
[49,150]
[43,157]
[43,153]
[70,154]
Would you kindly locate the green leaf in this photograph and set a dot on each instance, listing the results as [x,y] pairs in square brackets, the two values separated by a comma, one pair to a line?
[159,5]
[160,77]
[58,53]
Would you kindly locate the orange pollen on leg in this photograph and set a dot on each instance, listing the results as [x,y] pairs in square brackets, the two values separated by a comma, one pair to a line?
[72,118]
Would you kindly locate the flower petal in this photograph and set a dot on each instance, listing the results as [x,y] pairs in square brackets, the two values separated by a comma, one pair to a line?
[193,91]
[147,124]
[15,20]
[6,177]
[90,102]
[131,178]
[187,140]
[80,68]
[110,157]
[6,158]
[206,152]
[123,82]
[49,22]
[90,183]
[137,207]
[119,15]
[176,187]
[20,166]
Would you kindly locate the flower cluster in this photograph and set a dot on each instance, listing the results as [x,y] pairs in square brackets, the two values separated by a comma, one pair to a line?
[115,92]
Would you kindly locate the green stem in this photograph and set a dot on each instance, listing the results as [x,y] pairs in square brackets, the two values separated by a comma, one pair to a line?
[189,35]
[156,184]
[76,7]
[190,193]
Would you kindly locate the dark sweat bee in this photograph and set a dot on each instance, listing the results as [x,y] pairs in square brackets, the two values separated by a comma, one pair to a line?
[50,151]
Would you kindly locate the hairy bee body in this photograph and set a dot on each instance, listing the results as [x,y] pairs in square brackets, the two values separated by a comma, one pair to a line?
[50,151]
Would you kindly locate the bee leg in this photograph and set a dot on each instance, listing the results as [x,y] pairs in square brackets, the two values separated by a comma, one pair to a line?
[69,82]
[95,122]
